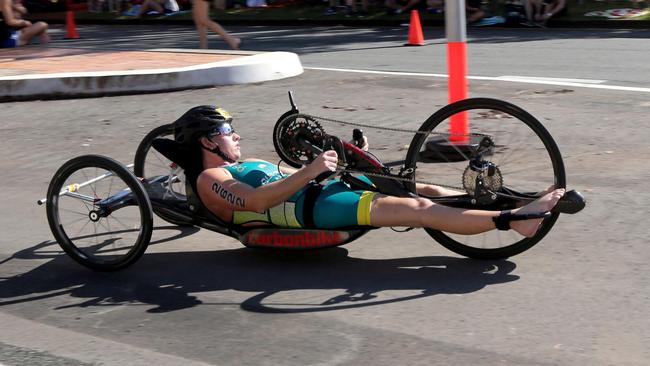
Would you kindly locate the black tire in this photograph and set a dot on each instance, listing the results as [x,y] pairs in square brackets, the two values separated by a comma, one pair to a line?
[506,116]
[144,147]
[66,214]
[148,163]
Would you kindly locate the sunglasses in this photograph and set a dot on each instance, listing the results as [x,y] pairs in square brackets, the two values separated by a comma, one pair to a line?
[223,130]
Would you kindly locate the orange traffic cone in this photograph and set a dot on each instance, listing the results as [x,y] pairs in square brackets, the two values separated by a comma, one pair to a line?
[71,26]
[415,30]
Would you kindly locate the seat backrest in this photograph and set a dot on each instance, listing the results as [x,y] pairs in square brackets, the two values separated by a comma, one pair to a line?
[173,151]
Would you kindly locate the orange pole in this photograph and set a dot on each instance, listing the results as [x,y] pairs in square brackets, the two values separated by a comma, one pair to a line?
[457,84]
[456,30]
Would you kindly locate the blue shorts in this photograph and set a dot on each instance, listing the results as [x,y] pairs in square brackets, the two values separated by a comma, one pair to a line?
[10,42]
[339,206]
[336,206]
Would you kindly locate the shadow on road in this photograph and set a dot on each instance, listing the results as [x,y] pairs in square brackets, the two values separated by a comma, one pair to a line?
[278,280]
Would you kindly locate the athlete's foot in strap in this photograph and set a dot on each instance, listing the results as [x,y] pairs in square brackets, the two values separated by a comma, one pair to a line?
[545,203]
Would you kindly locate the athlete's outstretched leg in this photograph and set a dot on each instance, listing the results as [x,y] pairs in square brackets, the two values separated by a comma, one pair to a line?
[420,212]
[430,190]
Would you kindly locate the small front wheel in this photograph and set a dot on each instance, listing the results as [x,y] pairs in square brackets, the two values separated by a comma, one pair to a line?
[99,213]
[507,160]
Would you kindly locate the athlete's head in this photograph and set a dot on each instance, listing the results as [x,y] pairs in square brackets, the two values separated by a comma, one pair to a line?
[211,128]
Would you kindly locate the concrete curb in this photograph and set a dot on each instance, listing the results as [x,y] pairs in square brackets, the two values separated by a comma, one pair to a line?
[250,68]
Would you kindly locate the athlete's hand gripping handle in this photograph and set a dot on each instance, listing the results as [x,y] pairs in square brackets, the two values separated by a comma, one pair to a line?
[326,164]
[357,137]
[359,140]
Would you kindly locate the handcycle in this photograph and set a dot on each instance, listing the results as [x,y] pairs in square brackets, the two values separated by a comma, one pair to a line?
[101,213]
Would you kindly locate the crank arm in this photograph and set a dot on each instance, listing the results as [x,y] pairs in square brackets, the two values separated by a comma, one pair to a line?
[302,143]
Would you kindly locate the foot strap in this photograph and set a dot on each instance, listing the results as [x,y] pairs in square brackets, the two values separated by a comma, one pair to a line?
[502,222]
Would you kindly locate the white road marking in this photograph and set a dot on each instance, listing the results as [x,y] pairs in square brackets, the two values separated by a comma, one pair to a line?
[576,83]
[377,72]
[544,79]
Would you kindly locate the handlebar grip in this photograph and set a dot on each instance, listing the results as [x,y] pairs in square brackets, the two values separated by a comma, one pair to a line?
[334,143]
[357,137]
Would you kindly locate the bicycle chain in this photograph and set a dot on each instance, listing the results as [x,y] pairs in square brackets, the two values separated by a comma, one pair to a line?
[380,175]
[401,179]
[385,128]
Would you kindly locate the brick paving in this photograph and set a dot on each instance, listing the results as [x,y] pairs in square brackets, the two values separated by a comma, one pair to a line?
[35,60]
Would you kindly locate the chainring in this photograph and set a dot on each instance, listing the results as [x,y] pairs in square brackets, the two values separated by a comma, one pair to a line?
[287,132]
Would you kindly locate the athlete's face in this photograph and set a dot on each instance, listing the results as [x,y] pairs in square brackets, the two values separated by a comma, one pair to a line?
[228,144]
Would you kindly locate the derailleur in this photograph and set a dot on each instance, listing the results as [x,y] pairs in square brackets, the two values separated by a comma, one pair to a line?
[482,179]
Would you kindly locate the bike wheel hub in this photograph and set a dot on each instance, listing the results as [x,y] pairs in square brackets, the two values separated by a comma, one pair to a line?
[483,176]
[94,215]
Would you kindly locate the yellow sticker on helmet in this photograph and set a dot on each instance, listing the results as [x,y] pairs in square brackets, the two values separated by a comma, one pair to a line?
[223,112]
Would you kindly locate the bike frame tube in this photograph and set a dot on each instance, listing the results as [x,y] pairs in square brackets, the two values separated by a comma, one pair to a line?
[79,185]
[120,199]
[82,197]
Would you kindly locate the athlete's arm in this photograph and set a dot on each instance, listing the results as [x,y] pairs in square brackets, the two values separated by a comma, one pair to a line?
[217,187]
[19,9]
[283,169]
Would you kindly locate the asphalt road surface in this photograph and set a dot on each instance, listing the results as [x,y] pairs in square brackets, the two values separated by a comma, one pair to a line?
[618,57]
[580,297]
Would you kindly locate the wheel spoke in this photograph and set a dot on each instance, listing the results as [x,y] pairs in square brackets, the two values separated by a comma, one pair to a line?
[92,185]
[83,227]
[111,240]
[84,214]
[526,168]
[86,205]
[110,186]
[78,219]
[101,223]
[123,225]
[507,158]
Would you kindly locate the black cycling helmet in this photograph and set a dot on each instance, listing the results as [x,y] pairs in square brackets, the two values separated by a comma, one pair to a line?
[199,121]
